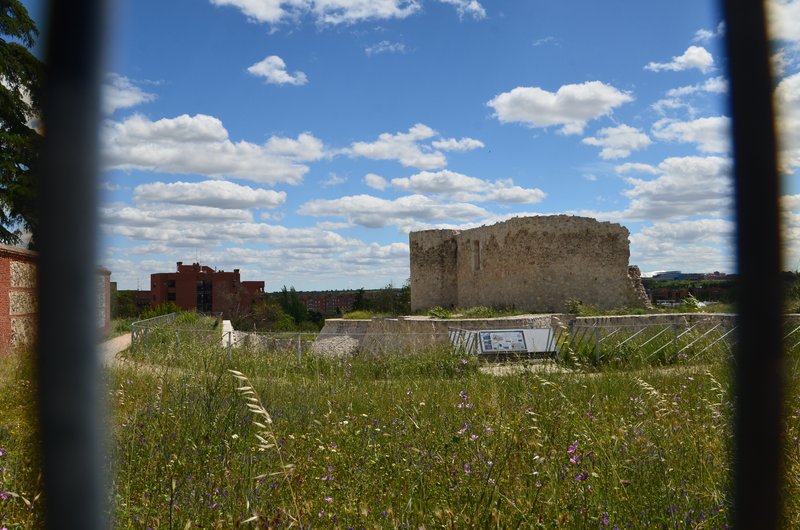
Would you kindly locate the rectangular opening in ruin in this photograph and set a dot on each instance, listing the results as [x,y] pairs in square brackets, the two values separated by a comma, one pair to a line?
[476,255]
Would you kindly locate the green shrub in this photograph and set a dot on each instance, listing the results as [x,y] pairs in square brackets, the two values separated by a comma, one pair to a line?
[161,309]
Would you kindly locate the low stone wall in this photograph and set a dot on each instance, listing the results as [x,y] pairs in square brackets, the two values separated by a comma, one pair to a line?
[372,337]
[382,335]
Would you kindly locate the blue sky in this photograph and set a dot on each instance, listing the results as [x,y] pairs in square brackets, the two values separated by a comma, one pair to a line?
[301,140]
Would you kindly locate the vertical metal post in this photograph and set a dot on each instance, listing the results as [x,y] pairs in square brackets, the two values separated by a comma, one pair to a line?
[230,356]
[147,340]
[299,350]
[675,338]
[758,380]
[571,333]
[70,393]
[597,344]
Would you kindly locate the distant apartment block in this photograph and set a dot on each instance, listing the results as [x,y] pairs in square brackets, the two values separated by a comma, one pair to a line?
[328,303]
[202,288]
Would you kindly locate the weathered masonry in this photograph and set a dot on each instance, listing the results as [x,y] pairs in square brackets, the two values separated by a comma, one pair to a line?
[532,263]
[18,300]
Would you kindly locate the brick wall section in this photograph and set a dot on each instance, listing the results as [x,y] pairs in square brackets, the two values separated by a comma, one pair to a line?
[531,263]
[18,300]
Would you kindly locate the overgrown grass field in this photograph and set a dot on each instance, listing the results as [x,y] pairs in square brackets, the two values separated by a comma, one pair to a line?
[406,441]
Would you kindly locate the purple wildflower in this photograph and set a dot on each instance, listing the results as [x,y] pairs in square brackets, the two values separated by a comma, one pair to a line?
[473,437]
[580,477]
[604,522]
[328,499]
[574,459]
[572,447]
[467,468]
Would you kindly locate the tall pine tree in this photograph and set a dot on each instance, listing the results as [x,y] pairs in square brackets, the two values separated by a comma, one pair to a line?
[21,86]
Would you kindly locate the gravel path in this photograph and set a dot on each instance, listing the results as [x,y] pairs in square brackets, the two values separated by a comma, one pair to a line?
[110,348]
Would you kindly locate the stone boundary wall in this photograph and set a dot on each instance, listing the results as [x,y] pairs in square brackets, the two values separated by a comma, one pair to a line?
[18,297]
[349,337]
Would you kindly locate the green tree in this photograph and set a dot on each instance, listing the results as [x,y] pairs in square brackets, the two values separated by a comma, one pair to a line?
[360,302]
[266,315]
[21,86]
[291,304]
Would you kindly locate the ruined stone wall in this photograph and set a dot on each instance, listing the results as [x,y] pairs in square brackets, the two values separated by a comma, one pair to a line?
[18,300]
[434,279]
[532,263]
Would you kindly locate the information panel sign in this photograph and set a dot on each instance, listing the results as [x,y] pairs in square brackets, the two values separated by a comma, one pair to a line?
[537,340]
[502,341]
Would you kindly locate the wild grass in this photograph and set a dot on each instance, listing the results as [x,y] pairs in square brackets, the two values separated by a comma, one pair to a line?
[402,441]
[20,484]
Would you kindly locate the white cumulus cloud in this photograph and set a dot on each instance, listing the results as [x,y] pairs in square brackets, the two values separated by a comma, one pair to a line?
[119,92]
[330,12]
[787,102]
[701,245]
[783,19]
[198,145]
[570,107]
[451,144]
[694,57]
[711,135]
[403,147]
[618,142]
[305,147]
[467,7]
[216,193]
[715,85]
[375,181]
[374,212]
[683,187]
[705,35]
[385,46]
[459,187]
[273,70]
[156,216]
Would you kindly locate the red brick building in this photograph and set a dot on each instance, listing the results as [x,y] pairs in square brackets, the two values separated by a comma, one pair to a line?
[204,289]
[328,303]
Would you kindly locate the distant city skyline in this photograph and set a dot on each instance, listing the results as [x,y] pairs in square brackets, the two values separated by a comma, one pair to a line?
[301,141]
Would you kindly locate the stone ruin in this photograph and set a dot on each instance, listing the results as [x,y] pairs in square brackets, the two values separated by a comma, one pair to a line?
[527,263]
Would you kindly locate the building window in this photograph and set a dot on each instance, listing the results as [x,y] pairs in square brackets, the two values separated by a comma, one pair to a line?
[476,255]
[170,297]
[170,284]
[204,302]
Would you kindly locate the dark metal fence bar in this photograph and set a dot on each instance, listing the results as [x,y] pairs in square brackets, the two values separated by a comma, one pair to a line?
[759,362]
[70,396]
